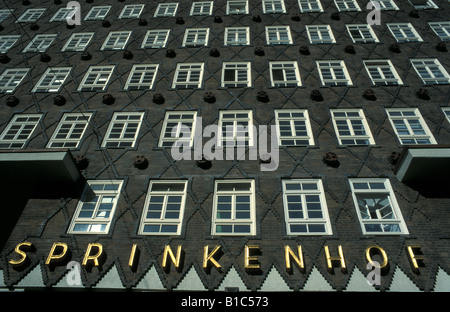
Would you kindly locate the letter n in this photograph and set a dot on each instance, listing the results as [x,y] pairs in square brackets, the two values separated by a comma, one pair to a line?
[175,260]
[288,253]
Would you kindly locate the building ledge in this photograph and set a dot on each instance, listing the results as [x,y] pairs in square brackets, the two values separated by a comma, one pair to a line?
[425,168]
[43,170]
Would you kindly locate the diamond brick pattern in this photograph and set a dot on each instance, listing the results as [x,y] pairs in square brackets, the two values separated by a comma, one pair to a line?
[46,220]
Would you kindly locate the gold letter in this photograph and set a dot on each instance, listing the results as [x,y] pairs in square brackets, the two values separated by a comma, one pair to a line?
[339,258]
[382,252]
[88,257]
[22,260]
[58,257]
[176,261]
[131,262]
[414,257]
[288,253]
[249,258]
[209,257]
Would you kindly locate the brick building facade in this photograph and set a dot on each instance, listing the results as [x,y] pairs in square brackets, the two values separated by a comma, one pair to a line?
[87,156]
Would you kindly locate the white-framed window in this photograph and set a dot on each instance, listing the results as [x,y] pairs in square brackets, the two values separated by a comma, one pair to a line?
[293,127]
[52,80]
[362,33]
[11,78]
[96,78]
[386,5]
[196,37]
[40,43]
[237,7]
[123,130]
[155,39]
[382,72]
[62,14]
[333,73]
[178,128]
[404,32]
[236,74]
[351,127]
[410,126]
[31,15]
[166,10]
[284,74]
[446,112]
[347,5]
[96,207]
[132,11]
[188,75]
[4,14]
[201,8]
[141,77]
[234,208]
[376,206]
[97,13]
[237,36]
[70,130]
[78,42]
[310,6]
[236,128]
[431,71]
[423,6]
[116,40]
[7,41]
[273,6]
[19,130]
[441,29]
[305,207]
[164,208]
[278,35]
[320,34]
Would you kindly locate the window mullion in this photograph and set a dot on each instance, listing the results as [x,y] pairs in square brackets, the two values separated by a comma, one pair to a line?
[233,207]
[292,123]
[123,131]
[97,207]
[164,207]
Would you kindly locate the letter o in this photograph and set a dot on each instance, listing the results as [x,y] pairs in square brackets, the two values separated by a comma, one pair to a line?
[383,253]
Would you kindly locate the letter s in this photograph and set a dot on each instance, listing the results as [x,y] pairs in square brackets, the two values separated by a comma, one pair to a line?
[23,260]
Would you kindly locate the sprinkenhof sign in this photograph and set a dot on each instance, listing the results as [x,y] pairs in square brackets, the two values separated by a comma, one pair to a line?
[94,255]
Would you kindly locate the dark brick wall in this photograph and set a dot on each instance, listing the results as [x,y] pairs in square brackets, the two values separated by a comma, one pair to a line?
[45,221]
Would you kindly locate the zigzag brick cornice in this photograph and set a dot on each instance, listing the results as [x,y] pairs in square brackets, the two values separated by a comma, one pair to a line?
[422,215]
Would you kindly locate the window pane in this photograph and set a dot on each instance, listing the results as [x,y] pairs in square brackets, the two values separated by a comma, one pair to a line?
[298,228]
[316,228]
[169,228]
[151,228]
[242,229]
[224,228]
